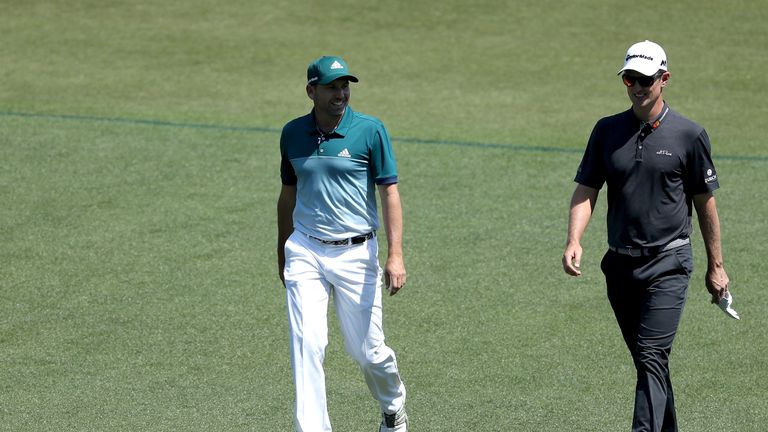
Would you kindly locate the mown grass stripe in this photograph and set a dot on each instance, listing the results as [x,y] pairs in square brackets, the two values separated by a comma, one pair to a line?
[256,129]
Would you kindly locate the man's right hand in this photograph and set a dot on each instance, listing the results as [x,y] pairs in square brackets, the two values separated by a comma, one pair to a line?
[572,259]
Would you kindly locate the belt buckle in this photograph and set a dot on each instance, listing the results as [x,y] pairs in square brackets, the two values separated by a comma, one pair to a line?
[634,252]
[361,238]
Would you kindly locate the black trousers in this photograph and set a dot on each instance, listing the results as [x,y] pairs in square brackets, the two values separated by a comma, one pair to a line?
[647,295]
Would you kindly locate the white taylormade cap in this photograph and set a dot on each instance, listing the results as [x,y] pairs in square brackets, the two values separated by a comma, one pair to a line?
[645,57]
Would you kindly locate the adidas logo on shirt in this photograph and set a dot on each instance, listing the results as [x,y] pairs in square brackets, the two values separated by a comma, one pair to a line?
[344,153]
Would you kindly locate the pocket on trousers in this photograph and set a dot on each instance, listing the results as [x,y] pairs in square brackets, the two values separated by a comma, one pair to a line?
[684,257]
[296,256]
[605,262]
[289,244]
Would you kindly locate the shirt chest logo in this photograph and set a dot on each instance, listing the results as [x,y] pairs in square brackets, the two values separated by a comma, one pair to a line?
[664,153]
[344,153]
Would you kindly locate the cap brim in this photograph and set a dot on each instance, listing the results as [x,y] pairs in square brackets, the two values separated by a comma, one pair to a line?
[333,77]
[641,66]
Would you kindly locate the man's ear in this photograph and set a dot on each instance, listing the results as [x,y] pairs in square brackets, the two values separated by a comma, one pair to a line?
[311,91]
[665,78]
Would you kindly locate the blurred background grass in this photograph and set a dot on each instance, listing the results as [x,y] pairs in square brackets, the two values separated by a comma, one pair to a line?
[520,72]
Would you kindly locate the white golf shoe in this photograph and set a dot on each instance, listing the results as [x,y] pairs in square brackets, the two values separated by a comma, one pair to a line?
[397,422]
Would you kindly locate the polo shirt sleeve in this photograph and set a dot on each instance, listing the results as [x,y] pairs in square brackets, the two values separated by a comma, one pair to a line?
[287,173]
[591,170]
[383,164]
[701,176]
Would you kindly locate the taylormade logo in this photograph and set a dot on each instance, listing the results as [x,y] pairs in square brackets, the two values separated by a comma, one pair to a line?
[642,56]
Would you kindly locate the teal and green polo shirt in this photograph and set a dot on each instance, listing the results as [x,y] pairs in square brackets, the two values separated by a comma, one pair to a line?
[335,174]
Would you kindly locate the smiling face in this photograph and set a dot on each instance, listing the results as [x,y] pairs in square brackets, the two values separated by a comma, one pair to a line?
[330,100]
[646,100]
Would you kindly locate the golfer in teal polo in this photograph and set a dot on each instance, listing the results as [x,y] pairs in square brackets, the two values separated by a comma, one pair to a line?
[332,161]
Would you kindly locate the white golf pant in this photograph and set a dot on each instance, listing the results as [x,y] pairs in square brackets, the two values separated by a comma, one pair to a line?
[313,271]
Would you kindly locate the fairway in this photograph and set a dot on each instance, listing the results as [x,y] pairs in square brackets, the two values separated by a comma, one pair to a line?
[139,173]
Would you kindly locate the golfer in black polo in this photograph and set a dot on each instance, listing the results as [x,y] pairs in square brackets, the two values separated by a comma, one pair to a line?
[657,166]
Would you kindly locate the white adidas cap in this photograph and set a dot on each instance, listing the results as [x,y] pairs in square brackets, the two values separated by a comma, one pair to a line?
[645,57]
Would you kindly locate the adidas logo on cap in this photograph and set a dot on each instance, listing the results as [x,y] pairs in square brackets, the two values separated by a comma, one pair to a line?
[326,69]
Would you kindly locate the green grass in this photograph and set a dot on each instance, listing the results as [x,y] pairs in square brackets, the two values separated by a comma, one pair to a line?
[138,286]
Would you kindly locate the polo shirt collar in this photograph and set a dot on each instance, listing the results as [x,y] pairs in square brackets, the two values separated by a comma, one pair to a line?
[341,129]
[662,115]
[659,118]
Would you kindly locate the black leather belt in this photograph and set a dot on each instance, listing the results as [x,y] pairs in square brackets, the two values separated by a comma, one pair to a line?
[638,252]
[347,241]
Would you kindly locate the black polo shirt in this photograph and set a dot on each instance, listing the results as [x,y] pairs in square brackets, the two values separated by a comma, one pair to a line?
[652,175]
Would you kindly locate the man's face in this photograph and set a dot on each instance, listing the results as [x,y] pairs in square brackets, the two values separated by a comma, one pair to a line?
[331,99]
[644,96]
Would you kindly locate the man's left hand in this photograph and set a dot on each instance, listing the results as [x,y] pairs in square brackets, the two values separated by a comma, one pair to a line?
[394,274]
[717,283]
